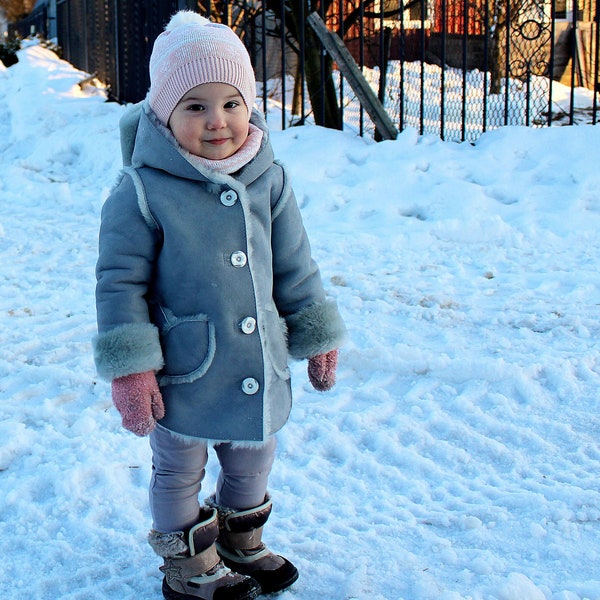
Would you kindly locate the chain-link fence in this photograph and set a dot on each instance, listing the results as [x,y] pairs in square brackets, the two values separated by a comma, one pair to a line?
[450,68]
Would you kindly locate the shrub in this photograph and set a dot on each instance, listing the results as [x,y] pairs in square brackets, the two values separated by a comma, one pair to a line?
[8,52]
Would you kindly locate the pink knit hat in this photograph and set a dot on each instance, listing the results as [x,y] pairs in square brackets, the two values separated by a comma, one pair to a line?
[191,51]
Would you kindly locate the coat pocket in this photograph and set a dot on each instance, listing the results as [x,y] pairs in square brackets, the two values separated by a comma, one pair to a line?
[188,345]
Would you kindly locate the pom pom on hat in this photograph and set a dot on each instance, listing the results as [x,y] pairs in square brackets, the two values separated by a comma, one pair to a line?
[191,51]
[186,17]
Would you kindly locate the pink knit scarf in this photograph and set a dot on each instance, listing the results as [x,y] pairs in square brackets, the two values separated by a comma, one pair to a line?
[235,162]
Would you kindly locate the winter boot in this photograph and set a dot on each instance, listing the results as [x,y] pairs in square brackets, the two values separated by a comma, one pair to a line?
[241,548]
[193,569]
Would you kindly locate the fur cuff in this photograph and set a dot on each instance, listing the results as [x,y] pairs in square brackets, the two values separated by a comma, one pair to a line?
[225,511]
[315,329]
[127,349]
[168,545]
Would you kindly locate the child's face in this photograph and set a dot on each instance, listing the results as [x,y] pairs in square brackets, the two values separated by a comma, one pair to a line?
[211,121]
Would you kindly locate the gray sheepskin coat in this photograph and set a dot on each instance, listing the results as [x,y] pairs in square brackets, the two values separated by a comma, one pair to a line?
[208,280]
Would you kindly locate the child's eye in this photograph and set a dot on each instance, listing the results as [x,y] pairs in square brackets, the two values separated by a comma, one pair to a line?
[232,104]
[195,107]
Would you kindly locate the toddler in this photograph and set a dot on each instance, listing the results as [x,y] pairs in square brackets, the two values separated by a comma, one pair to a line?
[205,286]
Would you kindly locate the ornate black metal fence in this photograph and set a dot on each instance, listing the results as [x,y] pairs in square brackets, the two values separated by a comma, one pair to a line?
[451,68]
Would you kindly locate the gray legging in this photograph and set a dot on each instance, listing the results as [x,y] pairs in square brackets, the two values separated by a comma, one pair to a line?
[178,468]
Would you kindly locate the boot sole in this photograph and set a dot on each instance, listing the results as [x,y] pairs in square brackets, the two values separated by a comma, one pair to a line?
[281,587]
[271,582]
[253,591]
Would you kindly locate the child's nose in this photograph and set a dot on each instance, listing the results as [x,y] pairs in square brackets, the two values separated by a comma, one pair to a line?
[216,119]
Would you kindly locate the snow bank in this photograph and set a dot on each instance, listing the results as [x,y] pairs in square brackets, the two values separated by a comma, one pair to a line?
[456,459]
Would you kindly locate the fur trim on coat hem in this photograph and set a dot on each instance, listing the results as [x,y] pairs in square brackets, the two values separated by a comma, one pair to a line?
[127,349]
[315,329]
[235,444]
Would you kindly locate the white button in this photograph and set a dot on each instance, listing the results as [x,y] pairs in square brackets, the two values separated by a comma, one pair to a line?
[250,386]
[239,259]
[228,198]
[248,325]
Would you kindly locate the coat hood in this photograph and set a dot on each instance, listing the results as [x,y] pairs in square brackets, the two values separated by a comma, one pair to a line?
[145,142]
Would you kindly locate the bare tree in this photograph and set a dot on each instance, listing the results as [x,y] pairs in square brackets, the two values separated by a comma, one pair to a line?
[291,16]
[16,9]
[289,23]
[318,67]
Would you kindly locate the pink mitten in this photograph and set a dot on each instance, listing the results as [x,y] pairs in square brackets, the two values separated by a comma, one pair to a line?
[139,401]
[321,370]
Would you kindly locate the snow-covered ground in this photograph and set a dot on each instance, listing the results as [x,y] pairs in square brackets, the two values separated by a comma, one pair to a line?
[458,457]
